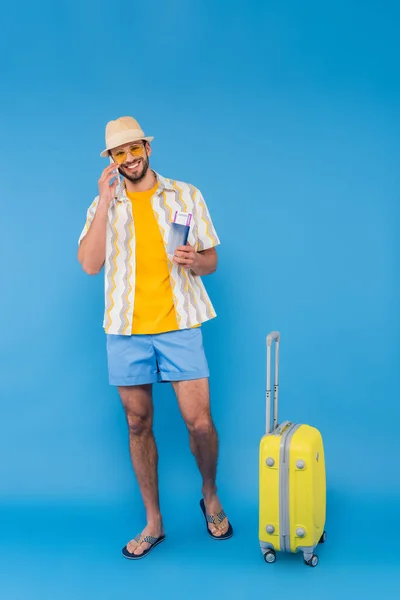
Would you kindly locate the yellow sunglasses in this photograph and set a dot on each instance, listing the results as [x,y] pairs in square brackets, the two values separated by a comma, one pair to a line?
[135,150]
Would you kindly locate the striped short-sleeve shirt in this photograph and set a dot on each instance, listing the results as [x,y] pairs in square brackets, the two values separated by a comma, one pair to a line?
[191,301]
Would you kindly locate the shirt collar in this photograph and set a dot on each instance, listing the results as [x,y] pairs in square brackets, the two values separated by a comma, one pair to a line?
[163,185]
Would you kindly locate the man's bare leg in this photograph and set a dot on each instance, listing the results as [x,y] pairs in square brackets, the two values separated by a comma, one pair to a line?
[138,405]
[194,403]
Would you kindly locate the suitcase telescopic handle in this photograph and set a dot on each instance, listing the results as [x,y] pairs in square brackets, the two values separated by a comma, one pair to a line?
[273,336]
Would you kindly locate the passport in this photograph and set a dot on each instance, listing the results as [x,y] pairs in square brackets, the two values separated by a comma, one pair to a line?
[179,231]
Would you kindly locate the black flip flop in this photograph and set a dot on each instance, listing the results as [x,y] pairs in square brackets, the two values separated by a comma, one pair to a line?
[211,519]
[149,539]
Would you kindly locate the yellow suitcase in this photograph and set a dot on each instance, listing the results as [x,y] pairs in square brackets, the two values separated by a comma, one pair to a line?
[292,481]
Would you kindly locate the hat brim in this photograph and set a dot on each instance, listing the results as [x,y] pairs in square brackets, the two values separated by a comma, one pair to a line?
[105,152]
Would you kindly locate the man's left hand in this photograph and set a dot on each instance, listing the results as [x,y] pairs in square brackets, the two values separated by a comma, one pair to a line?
[186,257]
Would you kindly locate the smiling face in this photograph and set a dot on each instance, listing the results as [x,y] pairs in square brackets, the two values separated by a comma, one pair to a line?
[133,160]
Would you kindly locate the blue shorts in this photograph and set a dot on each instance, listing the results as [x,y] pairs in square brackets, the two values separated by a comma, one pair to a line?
[141,359]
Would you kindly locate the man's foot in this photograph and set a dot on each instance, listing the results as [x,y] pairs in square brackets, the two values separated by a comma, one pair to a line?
[217,521]
[138,546]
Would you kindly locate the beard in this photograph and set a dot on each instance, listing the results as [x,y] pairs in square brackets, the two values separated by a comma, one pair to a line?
[140,173]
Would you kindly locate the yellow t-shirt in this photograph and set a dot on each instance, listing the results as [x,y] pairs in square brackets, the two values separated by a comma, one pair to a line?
[154,310]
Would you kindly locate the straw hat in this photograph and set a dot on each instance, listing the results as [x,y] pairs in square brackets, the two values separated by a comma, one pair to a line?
[123,131]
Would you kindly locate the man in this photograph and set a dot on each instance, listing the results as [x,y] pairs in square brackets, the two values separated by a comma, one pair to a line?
[155,303]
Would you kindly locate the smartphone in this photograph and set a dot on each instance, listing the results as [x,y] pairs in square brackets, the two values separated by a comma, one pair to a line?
[117,175]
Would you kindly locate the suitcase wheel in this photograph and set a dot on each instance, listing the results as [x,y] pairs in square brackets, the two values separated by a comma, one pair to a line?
[323,538]
[270,556]
[313,561]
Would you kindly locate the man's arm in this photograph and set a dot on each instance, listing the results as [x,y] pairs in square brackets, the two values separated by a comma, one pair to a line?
[92,249]
[201,263]
[207,262]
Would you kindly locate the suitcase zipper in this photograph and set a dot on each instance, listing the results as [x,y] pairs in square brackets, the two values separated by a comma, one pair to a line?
[284,517]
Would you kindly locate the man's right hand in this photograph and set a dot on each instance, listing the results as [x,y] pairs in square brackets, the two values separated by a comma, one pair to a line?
[107,191]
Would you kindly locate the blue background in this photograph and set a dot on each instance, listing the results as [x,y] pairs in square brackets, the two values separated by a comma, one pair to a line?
[286,116]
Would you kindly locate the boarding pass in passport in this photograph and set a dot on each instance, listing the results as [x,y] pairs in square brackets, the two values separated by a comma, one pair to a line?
[179,231]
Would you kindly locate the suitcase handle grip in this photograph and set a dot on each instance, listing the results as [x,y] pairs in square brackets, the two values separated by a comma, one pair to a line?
[273,336]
